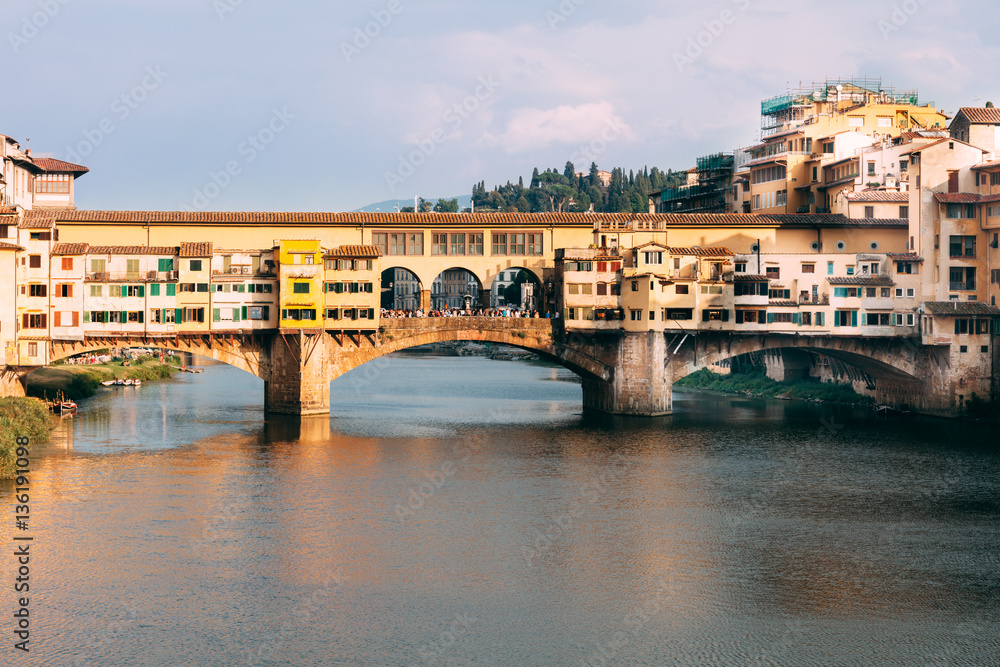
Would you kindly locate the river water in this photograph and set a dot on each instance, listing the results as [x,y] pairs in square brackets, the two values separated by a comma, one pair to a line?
[461,511]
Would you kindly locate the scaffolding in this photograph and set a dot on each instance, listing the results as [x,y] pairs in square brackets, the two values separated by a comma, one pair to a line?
[708,195]
[792,106]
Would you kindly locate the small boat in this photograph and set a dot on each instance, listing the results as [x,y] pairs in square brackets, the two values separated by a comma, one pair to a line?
[67,408]
[108,383]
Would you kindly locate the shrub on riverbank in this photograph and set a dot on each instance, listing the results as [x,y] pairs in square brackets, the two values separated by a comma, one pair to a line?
[756,383]
[81,381]
[20,417]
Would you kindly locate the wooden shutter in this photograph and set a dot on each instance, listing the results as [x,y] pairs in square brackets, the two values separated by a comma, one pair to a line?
[76,318]
[57,319]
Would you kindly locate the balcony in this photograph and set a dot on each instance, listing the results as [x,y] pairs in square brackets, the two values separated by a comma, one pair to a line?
[962,287]
[130,276]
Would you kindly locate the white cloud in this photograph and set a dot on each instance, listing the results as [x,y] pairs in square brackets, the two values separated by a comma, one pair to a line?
[529,129]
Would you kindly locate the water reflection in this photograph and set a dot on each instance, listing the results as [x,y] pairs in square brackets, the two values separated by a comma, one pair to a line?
[463,510]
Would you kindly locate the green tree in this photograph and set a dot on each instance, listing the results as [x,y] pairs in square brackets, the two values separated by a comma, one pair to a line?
[446,206]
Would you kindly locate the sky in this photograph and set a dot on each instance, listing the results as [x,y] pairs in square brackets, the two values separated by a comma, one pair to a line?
[247,105]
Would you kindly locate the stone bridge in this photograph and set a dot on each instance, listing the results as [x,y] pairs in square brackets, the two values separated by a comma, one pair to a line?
[622,373]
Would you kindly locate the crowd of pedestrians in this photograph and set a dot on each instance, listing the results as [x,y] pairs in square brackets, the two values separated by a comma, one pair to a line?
[468,312]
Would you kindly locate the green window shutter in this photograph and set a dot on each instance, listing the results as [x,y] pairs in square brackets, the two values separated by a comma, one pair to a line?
[770,318]
[795,318]
[178,315]
[244,311]
[854,318]
[836,319]
[821,319]
[154,289]
[86,316]
[284,313]
[236,314]
[171,289]
[163,316]
[142,290]
[829,268]
[216,314]
[242,288]
[142,315]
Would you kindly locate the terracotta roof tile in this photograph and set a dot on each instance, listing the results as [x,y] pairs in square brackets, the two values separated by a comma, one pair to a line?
[200,249]
[879,196]
[988,164]
[961,308]
[980,115]
[70,248]
[884,281]
[881,222]
[782,303]
[355,251]
[51,164]
[430,220]
[9,246]
[750,278]
[131,250]
[8,210]
[904,256]
[38,220]
[956,197]
[702,252]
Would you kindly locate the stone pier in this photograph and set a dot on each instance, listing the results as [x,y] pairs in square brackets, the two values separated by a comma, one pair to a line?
[642,381]
[296,380]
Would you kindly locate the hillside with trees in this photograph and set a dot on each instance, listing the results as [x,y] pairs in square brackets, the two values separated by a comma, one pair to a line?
[567,191]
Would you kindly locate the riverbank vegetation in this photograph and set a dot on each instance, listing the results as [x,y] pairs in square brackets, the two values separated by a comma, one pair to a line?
[81,381]
[20,417]
[754,382]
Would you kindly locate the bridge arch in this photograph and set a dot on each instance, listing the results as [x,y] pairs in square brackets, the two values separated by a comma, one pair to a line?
[244,351]
[891,369]
[534,335]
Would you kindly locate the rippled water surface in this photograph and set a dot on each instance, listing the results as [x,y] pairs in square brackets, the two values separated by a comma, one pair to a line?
[461,511]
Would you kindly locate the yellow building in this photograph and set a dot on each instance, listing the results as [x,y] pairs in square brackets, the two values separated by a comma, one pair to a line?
[300,280]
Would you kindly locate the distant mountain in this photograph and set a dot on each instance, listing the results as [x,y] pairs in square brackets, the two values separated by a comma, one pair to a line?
[389,205]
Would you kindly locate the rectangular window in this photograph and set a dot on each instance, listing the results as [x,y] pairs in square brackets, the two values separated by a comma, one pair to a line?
[194,265]
[258,312]
[37,290]
[35,261]
[773,272]
[517,244]
[300,288]
[869,211]
[904,211]
[381,241]
[97,290]
[165,264]
[808,268]
[154,289]
[499,244]
[962,246]
[439,244]
[475,244]
[456,244]
[535,244]
[171,289]
[829,268]
[653,257]
[845,318]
